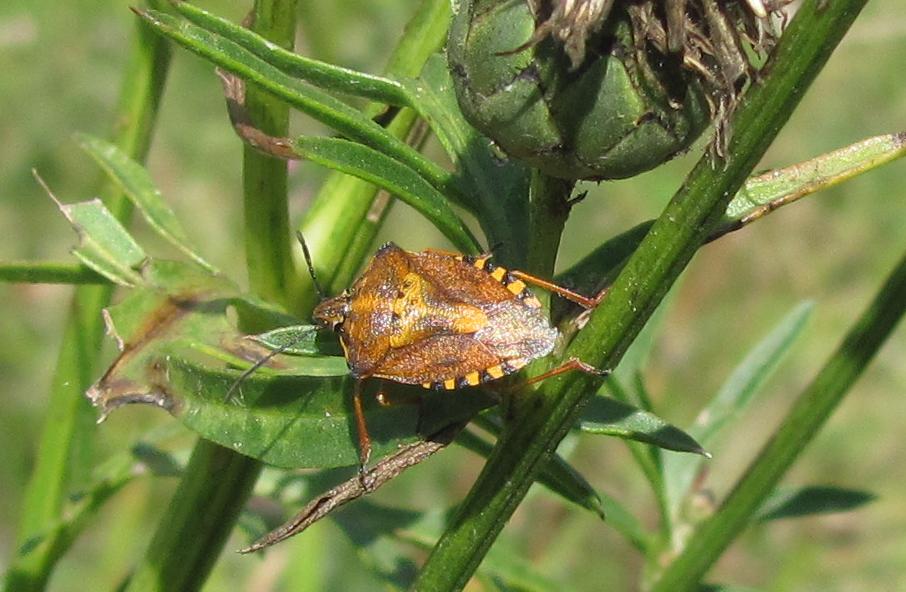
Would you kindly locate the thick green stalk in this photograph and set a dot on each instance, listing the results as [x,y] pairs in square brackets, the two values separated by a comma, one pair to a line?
[800,426]
[811,37]
[63,452]
[548,211]
[267,236]
[218,481]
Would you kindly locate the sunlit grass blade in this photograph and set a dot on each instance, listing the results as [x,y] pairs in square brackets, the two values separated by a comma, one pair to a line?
[768,191]
[327,76]
[811,500]
[740,388]
[136,184]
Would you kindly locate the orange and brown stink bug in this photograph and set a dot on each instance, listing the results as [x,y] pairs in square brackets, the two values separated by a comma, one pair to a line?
[440,320]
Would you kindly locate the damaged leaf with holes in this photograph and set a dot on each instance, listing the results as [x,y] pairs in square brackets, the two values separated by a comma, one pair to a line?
[182,350]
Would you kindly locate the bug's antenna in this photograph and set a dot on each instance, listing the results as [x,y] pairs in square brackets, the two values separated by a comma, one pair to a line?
[311,268]
[279,350]
[251,370]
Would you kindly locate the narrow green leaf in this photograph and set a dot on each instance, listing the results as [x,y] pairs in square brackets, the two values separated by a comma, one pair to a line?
[759,196]
[731,400]
[648,458]
[373,166]
[724,588]
[766,192]
[813,499]
[136,184]
[49,272]
[609,417]
[327,76]
[312,101]
[104,245]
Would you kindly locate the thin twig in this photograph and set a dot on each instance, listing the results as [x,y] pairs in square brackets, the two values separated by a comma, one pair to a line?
[353,488]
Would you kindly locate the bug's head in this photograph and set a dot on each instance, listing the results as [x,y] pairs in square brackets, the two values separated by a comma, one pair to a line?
[331,312]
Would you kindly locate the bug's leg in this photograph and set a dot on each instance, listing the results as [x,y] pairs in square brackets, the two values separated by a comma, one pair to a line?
[364,437]
[583,301]
[570,364]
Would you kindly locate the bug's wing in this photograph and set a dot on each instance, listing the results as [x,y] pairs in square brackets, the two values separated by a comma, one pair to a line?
[437,359]
[366,334]
[459,280]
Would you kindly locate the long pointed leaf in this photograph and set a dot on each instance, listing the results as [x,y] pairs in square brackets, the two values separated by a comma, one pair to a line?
[371,165]
[807,501]
[327,76]
[609,417]
[308,99]
[759,196]
[136,183]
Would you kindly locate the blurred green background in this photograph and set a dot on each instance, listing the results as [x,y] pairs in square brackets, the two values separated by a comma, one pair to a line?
[61,65]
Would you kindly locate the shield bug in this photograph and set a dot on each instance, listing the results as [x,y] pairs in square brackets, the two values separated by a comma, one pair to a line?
[440,320]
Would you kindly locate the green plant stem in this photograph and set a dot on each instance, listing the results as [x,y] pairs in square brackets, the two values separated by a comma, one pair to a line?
[267,236]
[49,272]
[218,481]
[685,223]
[63,456]
[804,420]
[548,211]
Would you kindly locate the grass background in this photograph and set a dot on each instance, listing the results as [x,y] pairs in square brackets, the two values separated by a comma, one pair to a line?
[61,65]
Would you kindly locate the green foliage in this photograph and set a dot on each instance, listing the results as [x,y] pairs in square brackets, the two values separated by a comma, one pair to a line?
[188,336]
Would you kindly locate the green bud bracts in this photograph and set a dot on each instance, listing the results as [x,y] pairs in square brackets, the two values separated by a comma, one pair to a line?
[623,110]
